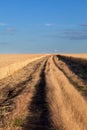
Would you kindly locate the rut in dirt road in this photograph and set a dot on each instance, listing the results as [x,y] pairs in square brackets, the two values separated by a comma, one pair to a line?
[39,116]
[67,107]
[56,104]
[48,100]
[13,105]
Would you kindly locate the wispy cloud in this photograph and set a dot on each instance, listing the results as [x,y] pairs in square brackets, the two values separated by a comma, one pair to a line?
[49,24]
[8,31]
[3,24]
[11,29]
[76,34]
[84,25]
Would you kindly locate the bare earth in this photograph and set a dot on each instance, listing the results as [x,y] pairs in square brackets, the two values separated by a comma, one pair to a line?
[44,95]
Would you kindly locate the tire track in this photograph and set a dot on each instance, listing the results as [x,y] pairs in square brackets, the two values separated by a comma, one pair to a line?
[39,117]
[67,107]
[49,101]
[18,99]
[79,65]
[13,91]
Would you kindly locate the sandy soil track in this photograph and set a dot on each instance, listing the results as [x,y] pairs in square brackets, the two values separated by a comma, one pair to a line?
[43,100]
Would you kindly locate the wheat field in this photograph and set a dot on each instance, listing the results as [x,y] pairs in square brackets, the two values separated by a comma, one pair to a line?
[9,63]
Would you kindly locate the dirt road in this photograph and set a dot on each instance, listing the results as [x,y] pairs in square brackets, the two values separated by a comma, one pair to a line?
[40,97]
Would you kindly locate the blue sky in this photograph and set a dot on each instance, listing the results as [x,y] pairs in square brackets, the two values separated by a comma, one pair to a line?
[43,26]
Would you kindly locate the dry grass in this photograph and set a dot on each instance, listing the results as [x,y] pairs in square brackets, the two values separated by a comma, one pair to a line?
[67,107]
[8,59]
[83,55]
[9,63]
[18,96]
[42,99]
[75,69]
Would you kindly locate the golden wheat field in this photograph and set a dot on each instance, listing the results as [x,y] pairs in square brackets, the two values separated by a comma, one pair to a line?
[7,59]
[43,92]
[13,62]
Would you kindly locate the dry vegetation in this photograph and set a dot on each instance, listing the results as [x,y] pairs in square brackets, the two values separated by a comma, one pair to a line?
[83,55]
[11,63]
[75,69]
[16,92]
[65,102]
[43,95]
